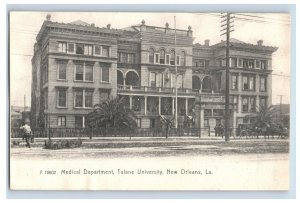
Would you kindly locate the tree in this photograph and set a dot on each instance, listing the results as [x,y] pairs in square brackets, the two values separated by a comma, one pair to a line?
[263,117]
[112,113]
[263,120]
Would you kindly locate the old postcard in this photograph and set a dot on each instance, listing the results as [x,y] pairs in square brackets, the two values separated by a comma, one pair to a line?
[149,101]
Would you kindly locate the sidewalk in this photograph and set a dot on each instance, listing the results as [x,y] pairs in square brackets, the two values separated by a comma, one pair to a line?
[126,142]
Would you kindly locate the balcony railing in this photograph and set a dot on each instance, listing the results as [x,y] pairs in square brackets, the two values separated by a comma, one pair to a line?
[130,88]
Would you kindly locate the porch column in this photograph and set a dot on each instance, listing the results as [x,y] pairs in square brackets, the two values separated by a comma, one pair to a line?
[130,102]
[159,105]
[201,118]
[173,105]
[234,123]
[186,106]
[145,105]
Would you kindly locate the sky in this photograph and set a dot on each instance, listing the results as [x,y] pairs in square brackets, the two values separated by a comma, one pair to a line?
[272,28]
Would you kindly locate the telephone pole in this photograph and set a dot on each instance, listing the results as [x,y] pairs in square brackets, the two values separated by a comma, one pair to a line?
[226,21]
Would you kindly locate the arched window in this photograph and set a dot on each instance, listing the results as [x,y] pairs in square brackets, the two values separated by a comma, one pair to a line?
[151,55]
[162,56]
[196,83]
[120,78]
[182,58]
[132,78]
[172,58]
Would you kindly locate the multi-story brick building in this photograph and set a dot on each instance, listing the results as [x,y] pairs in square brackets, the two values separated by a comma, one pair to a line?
[78,65]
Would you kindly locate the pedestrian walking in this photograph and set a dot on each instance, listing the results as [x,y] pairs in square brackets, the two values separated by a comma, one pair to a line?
[26,133]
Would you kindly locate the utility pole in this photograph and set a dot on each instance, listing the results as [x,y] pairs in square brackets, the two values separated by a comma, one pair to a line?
[227,30]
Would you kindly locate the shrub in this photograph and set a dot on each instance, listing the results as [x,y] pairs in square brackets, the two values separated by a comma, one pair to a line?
[62,144]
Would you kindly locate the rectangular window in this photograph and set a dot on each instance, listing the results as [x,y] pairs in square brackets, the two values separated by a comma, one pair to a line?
[264,64]
[79,49]
[105,51]
[104,95]
[89,72]
[262,84]
[159,80]
[177,60]
[62,47]
[62,70]
[233,62]
[245,104]
[84,72]
[130,58]
[61,121]
[251,64]
[168,59]
[62,98]
[180,81]
[105,72]
[123,57]
[263,101]
[88,98]
[234,82]
[79,72]
[97,50]
[83,98]
[257,64]
[88,49]
[251,83]
[245,64]
[79,98]
[252,104]
[71,48]
[240,62]
[152,79]
[245,83]
[79,121]
[156,58]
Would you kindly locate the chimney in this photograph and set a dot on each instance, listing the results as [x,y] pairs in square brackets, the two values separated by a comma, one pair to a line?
[143,26]
[190,32]
[108,26]
[260,42]
[93,25]
[48,17]
[206,42]
[167,28]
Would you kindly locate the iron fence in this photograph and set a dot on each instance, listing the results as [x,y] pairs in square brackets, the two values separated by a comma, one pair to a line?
[110,132]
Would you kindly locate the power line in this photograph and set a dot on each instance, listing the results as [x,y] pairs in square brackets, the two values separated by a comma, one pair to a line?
[264,18]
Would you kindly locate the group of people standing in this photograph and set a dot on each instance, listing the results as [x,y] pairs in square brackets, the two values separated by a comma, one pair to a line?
[219,130]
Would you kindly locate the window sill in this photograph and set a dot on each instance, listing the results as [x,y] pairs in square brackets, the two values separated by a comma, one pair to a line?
[61,107]
[62,80]
[84,108]
[83,81]
[104,82]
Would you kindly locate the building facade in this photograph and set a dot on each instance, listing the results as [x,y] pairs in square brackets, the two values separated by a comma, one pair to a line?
[77,65]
